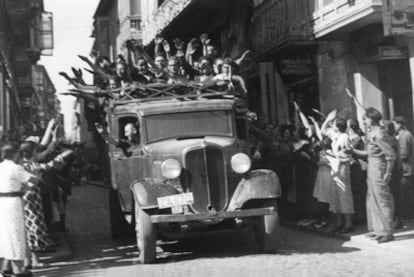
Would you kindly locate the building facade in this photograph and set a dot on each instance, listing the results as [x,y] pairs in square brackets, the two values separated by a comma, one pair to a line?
[332,46]
[26,33]
[308,51]
[114,23]
[44,94]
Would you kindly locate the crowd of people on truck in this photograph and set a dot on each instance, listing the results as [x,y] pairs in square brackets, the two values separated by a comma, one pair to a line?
[174,64]
[36,175]
[334,175]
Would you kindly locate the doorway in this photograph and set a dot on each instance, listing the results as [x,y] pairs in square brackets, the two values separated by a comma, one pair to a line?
[395,82]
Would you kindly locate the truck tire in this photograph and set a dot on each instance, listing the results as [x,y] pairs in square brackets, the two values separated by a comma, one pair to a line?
[146,236]
[267,230]
[118,223]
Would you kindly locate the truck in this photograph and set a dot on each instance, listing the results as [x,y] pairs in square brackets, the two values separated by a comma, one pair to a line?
[190,172]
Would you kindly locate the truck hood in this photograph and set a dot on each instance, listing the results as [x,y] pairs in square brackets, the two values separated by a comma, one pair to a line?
[174,147]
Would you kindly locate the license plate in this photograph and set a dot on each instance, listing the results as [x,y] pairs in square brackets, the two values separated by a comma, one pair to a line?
[175,200]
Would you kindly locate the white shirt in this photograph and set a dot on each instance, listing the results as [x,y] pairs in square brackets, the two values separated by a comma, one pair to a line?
[12,177]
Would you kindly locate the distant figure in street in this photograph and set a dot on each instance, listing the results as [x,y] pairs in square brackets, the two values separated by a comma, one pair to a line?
[406,153]
[381,158]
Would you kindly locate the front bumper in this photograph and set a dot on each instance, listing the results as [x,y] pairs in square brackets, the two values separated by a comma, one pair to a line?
[217,215]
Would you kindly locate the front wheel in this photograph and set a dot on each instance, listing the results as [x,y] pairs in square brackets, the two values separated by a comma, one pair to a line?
[267,230]
[146,236]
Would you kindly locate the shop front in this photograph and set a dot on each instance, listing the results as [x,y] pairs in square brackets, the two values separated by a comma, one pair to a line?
[371,54]
[287,60]
[384,74]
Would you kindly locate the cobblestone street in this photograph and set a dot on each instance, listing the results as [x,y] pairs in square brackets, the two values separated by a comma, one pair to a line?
[301,254]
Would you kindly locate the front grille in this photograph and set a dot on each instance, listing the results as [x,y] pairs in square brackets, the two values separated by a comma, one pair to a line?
[206,178]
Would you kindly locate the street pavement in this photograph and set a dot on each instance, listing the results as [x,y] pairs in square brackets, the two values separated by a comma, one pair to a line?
[301,253]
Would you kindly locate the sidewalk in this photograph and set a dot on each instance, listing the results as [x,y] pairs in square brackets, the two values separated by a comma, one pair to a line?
[64,251]
[403,243]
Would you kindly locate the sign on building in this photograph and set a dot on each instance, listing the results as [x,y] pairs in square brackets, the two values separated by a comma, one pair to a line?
[398,17]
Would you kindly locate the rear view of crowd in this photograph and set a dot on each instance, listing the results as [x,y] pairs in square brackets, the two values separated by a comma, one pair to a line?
[334,175]
[34,186]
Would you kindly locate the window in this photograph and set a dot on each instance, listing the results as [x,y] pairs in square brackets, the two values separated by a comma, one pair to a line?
[188,125]
[135,7]
[136,24]
[128,129]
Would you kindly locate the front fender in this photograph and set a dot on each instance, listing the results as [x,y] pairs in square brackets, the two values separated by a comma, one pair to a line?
[146,192]
[258,184]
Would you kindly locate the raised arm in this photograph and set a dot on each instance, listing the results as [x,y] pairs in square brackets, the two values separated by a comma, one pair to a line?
[167,48]
[331,116]
[41,156]
[191,49]
[48,132]
[302,117]
[317,128]
[157,45]
[357,103]
[204,42]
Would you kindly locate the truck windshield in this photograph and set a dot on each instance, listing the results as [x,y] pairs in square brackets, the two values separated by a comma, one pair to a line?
[188,125]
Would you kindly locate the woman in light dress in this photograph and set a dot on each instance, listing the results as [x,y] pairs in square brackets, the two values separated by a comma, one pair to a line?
[342,201]
[14,180]
[332,184]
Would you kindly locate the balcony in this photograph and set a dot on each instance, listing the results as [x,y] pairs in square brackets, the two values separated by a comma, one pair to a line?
[161,18]
[276,23]
[328,16]
[41,34]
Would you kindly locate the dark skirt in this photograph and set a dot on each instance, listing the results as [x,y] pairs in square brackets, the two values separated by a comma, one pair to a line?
[37,233]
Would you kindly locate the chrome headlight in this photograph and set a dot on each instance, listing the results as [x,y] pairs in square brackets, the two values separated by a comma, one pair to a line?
[171,168]
[241,163]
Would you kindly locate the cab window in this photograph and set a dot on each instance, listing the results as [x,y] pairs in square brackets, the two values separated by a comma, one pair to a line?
[128,130]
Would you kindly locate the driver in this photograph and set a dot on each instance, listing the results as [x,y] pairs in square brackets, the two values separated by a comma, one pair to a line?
[131,133]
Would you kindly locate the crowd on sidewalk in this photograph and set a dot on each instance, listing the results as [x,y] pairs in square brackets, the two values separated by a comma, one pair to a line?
[334,175]
[36,175]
